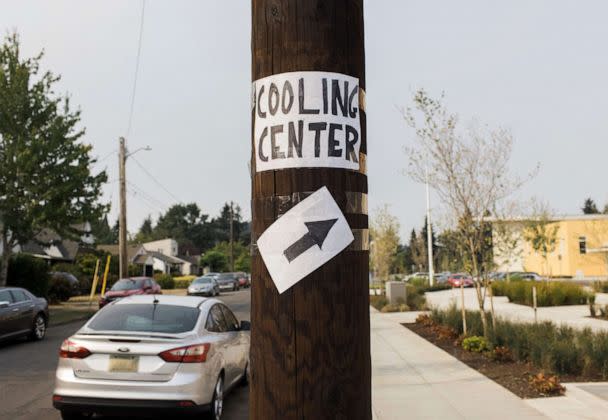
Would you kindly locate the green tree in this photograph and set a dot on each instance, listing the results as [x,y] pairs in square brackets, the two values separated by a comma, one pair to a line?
[215,260]
[146,231]
[45,170]
[541,233]
[187,225]
[102,231]
[221,226]
[589,207]
[384,231]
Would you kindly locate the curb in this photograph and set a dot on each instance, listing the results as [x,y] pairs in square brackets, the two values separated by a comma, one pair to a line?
[82,318]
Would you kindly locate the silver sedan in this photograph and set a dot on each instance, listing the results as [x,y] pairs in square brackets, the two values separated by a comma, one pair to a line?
[160,354]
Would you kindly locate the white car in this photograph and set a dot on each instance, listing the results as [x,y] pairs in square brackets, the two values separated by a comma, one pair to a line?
[159,354]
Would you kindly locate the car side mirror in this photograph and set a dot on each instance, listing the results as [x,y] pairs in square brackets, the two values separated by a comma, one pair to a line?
[245,326]
[4,304]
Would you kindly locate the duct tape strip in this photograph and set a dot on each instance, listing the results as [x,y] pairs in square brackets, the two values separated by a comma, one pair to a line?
[361,242]
[353,202]
[362,99]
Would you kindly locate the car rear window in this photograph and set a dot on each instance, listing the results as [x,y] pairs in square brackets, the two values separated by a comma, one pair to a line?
[226,277]
[152,318]
[127,284]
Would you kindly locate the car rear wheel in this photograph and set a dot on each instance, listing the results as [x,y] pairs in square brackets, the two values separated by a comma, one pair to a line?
[217,403]
[74,415]
[38,328]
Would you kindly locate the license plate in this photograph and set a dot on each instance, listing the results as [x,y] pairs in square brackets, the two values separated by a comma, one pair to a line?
[123,363]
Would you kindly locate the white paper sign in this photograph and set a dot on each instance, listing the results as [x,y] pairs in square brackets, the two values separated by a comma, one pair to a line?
[306,119]
[303,239]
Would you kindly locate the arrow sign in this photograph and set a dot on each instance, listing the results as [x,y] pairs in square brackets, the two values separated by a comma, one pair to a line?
[317,232]
[303,239]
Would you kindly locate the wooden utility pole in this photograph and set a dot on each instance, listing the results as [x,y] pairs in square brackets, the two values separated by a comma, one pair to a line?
[310,346]
[122,223]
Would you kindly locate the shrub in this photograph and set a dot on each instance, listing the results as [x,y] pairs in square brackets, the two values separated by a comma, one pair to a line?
[600,286]
[378,302]
[391,307]
[181,283]
[475,344]
[501,354]
[30,273]
[425,319]
[559,349]
[60,290]
[165,281]
[548,385]
[547,293]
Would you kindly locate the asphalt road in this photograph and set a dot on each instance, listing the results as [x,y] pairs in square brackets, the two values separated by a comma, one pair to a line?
[27,372]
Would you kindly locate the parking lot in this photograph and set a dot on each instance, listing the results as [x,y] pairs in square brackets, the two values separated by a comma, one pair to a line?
[27,371]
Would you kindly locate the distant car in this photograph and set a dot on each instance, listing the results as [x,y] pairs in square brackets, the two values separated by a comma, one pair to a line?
[456,280]
[228,281]
[442,277]
[162,355]
[206,286]
[243,279]
[69,277]
[418,274]
[22,314]
[527,276]
[128,287]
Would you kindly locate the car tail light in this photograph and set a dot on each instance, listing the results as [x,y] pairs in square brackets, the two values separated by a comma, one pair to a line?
[188,354]
[70,350]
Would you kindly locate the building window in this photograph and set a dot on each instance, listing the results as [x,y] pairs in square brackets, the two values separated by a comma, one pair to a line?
[582,245]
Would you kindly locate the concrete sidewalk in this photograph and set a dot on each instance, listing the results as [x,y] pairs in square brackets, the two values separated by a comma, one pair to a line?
[576,316]
[413,379]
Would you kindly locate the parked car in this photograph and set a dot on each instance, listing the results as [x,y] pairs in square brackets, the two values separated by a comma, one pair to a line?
[128,287]
[243,279]
[22,314]
[228,281]
[442,277]
[418,274]
[69,277]
[527,276]
[166,355]
[205,285]
[456,280]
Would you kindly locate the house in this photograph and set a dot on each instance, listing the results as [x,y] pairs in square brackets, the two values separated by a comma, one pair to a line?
[157,256]
[580,251]
[50,246]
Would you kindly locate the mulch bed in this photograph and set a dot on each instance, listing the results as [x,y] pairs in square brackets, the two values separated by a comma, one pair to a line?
[514,375]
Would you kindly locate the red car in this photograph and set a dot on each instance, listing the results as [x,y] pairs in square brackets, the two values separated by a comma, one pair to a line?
[455,280]
[128,287]
[243,279]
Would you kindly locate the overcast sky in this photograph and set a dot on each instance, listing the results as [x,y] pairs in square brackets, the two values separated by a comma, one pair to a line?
[536,67]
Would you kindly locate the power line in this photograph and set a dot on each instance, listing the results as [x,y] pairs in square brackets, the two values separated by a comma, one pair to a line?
[150,198]
[143,168]
[139,42]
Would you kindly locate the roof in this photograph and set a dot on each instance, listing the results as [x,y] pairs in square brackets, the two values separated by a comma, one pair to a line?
[49,245]
[166,258]
[189,258]
[132,250]
[552,218]
[190,301]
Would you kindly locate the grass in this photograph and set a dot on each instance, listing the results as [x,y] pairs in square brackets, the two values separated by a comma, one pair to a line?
[548,293]
[559,349]
[64,313]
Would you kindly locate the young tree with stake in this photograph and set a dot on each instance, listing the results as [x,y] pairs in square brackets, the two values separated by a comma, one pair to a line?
[468,169]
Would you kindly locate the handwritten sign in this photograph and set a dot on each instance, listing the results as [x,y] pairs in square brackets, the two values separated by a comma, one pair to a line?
[306,119]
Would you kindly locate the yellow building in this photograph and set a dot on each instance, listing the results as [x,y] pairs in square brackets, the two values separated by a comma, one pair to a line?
[580,249]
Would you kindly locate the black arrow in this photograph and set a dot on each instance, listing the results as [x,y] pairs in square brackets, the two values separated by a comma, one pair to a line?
[317,232]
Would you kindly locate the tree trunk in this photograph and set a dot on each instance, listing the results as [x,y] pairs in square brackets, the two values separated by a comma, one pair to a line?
[463,310]
[492,314]
[6,256]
